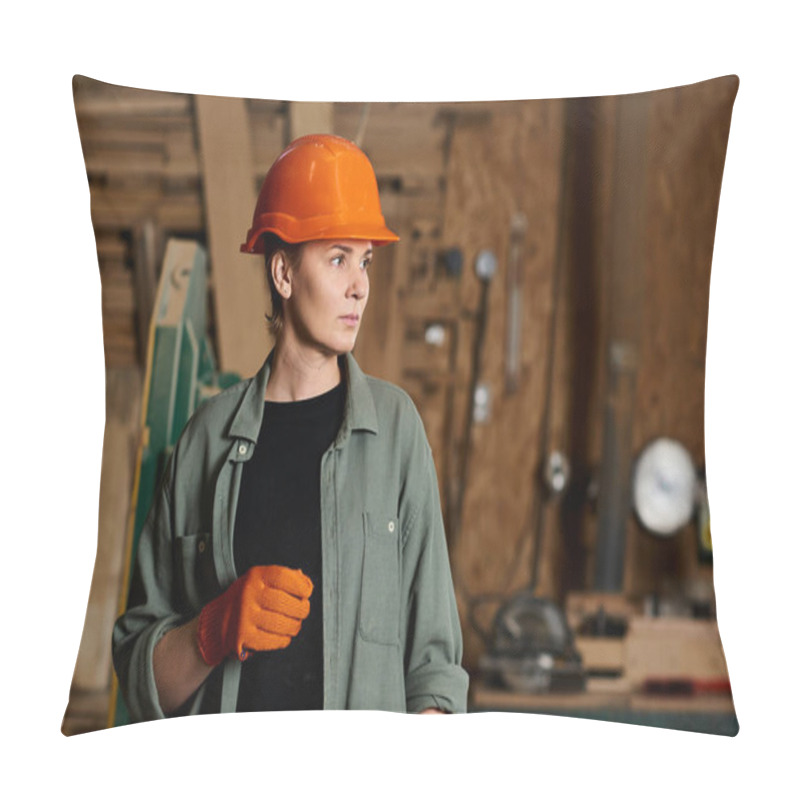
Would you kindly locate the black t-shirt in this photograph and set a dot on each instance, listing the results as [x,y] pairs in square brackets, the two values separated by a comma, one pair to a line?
[278,522]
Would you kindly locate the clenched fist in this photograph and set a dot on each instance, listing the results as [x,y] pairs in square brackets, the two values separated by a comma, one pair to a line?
[262,610]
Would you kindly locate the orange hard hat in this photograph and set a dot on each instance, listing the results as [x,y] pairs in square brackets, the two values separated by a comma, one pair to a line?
[320,187]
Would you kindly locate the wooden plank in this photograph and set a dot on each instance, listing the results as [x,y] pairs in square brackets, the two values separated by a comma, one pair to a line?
[515,701]
[96,136]
[259,107]
[111,250]
[673,648]
[121,358]
[118,295]
[179,144]
[116,210]
[400,139]
[146,104]
[134,131]
[86,712]
[142,165]
[616,685]
[122,343]
[172,137]
[95,98]
[270,134]
[123,393]
[601,653]
[239,280]
[116,277]
[120,328]
[305,118]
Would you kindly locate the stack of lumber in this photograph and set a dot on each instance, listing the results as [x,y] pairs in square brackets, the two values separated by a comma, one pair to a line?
[118,301]
[139,151]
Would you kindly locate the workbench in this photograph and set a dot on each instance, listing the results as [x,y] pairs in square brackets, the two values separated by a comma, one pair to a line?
[614,701]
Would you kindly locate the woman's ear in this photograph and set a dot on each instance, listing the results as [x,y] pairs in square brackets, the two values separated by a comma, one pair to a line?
[281,274]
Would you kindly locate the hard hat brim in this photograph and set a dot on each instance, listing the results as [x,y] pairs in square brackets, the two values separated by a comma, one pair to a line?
[377,234]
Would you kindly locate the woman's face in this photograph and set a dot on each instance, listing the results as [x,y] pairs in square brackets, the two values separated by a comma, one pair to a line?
[328,294]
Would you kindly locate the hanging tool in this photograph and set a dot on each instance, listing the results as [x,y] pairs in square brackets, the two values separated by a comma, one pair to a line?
[485,268]
[519,223]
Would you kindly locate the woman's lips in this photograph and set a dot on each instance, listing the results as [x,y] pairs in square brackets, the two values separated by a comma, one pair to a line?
[350,319]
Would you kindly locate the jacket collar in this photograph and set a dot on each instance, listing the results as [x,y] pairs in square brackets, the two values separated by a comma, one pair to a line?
[359,412]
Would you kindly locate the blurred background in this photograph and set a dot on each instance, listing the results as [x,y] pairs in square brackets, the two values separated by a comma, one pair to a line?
[546,309]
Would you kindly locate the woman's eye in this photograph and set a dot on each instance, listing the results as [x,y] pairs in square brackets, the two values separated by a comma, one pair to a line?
[337,260]
[365,263]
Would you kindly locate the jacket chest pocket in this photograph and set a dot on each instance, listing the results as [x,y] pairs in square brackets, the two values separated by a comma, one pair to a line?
[379,616]
[194,563]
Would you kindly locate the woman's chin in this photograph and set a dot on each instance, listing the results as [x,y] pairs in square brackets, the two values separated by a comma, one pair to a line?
[339,347]
[346,342]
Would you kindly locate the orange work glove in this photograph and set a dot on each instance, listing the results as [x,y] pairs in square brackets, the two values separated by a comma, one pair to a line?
[262,610]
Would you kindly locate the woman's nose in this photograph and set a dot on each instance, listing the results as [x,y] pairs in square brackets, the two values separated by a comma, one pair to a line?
[359,285]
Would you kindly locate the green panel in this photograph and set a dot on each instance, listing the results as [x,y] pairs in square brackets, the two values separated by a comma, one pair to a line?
[162,387]
[186,380]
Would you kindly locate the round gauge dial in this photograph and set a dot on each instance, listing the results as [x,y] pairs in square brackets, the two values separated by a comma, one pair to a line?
[664,487]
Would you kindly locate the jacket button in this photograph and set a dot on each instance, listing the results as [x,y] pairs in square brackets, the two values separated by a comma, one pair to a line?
[201,546]
[242,449]
[391,527]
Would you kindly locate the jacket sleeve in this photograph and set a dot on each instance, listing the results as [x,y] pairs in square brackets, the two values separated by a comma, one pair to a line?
[433,642]
[151,611]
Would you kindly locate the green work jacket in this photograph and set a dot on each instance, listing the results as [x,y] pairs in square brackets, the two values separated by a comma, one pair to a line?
[391,633]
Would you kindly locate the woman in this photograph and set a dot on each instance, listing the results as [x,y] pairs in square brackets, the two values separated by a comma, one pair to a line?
[294,557]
